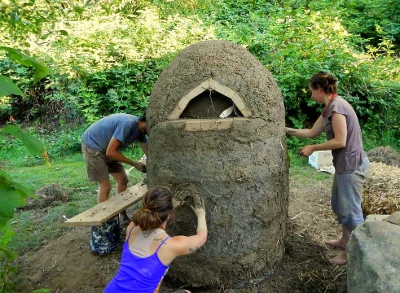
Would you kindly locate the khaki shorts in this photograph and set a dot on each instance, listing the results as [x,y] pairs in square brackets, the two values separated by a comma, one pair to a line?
[98,165]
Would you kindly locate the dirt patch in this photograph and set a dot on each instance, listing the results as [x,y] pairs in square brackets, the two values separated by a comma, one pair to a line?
[66,265]
[48,196]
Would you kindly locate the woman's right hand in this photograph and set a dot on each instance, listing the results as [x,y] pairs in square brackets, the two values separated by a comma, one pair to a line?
[198,205]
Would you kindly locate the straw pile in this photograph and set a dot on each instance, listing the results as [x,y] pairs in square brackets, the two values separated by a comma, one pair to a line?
[382,189]
[385,154]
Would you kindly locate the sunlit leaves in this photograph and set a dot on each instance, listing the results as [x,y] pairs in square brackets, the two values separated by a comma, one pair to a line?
[7,87]
[34,145]
[41,70]
[12,195]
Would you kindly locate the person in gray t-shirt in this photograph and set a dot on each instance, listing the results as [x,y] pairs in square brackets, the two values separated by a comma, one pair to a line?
[101,144]
[342,128]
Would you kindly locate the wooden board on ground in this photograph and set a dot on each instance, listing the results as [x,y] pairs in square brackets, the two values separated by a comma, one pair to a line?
[109,208]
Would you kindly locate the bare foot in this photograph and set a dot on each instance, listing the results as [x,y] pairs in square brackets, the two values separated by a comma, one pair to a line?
[339,260]
[336,244]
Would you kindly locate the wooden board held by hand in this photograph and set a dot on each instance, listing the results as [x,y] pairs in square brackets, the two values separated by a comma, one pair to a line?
[109,208]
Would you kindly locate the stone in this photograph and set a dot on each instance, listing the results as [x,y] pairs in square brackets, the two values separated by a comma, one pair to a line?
[375,217]
[374,258]
[394,218]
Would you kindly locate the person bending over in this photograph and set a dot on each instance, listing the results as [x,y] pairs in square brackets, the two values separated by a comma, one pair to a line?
[101,144]
[148,250]
[342,128]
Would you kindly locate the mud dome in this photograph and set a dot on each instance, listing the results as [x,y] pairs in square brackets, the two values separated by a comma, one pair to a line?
[239,164]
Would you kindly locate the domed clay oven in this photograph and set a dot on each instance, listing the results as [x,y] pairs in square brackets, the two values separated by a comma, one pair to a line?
[216,127]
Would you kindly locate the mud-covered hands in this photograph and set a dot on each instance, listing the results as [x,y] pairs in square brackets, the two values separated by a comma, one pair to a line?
[199,210]
[198,205]
[306,151]
[139,166]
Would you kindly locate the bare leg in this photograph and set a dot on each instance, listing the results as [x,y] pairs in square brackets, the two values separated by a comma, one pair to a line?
[341,243]
[104,190]
[122,184]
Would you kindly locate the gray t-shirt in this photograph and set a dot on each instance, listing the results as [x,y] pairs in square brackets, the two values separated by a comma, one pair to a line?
[350,157]
[123,127]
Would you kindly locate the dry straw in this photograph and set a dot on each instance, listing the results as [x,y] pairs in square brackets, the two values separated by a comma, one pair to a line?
[382,189]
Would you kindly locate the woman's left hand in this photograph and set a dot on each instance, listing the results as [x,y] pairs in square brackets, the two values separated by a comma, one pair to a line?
[306,151]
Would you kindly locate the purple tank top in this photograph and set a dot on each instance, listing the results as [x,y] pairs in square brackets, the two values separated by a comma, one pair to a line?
[137,274]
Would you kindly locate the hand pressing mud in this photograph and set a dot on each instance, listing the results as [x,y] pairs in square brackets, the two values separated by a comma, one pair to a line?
[198,204]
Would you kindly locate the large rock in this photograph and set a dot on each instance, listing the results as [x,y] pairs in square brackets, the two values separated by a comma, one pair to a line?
[374,258]
[239,165]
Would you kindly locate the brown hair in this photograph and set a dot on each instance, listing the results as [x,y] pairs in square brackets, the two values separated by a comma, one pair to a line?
[157,205]
[324,81]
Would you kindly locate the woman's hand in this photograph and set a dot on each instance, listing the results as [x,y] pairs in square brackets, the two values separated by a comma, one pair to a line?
[198,207]
[307,151]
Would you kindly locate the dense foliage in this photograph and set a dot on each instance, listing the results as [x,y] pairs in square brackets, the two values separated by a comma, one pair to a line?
[106,55]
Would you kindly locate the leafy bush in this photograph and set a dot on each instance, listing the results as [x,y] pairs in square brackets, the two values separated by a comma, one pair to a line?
[295,39]
[108,56]
[119,89]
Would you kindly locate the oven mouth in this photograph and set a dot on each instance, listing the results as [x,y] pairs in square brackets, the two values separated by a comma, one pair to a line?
[210,100]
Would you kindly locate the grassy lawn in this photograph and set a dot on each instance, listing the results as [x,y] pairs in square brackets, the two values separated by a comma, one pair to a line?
[34,228]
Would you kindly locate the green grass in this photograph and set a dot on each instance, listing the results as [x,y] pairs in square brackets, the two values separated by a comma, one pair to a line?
[35,227]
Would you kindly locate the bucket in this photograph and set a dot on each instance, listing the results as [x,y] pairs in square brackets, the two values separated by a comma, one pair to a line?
[105,238]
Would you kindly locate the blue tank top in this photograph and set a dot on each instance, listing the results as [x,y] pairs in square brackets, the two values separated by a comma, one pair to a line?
[137,274]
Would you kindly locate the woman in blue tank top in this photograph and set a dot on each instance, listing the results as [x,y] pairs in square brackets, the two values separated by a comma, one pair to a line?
[148,250]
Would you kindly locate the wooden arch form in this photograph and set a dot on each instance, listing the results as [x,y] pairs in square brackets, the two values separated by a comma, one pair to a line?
[210,84]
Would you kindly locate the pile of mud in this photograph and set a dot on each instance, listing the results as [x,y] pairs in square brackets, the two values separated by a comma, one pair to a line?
[241,170]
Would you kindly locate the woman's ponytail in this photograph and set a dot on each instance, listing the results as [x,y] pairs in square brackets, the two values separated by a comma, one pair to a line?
[157,205]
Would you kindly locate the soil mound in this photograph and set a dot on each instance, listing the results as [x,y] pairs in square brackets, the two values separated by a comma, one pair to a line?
[48,196]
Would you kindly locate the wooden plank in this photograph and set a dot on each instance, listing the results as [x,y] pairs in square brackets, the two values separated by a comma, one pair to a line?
[109,208]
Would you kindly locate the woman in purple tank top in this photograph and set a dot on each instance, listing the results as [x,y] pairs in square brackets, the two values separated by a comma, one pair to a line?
[342,128]
[148,250]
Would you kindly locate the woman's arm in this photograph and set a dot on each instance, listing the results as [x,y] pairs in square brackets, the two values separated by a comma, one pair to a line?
[339,126]
[317,128]
[183,245]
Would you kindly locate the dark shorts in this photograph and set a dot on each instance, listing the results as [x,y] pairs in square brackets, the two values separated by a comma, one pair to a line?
[98,165]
